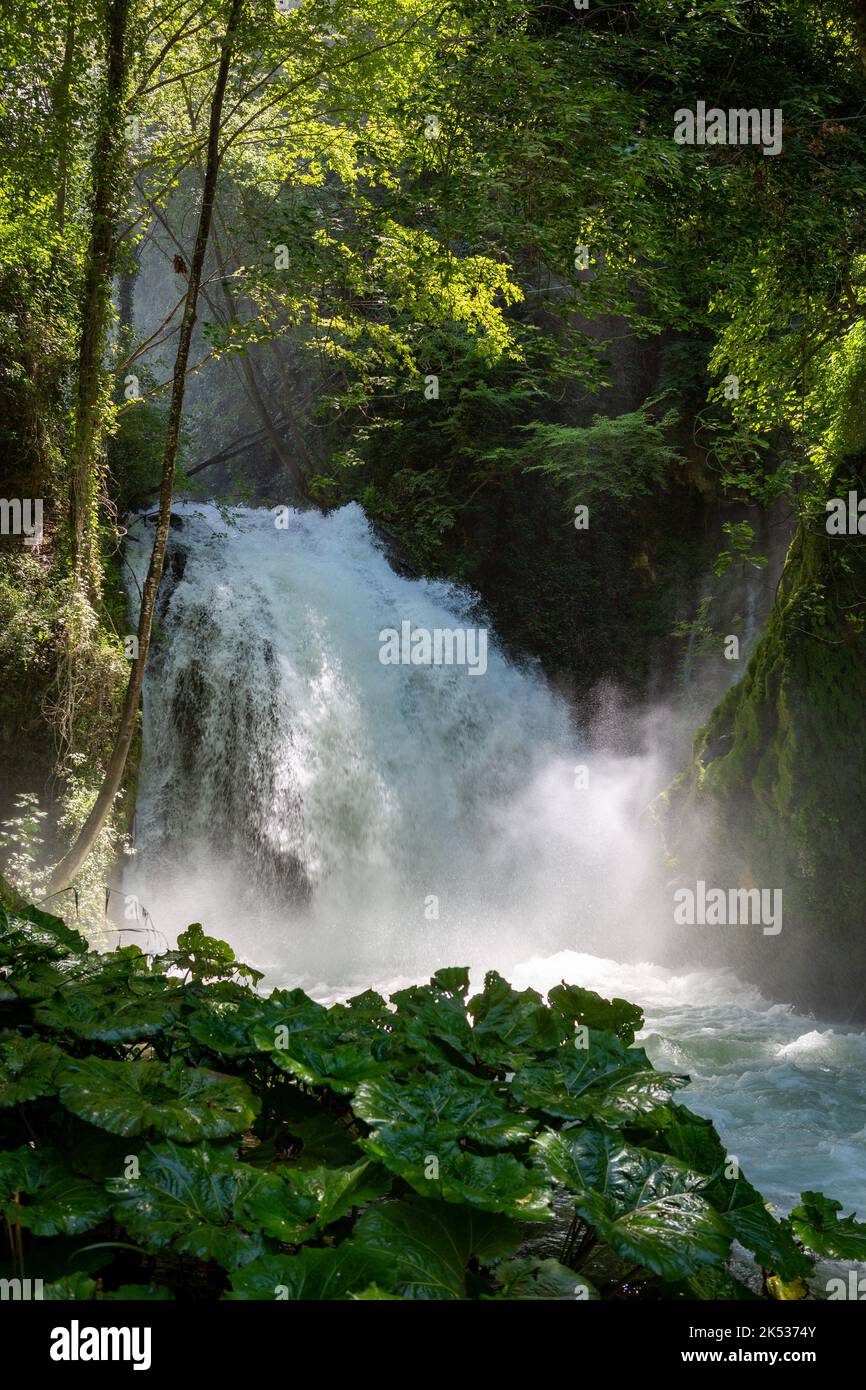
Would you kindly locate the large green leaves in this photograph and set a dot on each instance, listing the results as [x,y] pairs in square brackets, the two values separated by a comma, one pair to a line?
[296,1204]
[120,1005]
[645,1206]
[428,1130]
[27,1068]
[512,1024]
[39,1192]
[434,1016]
[604,1079]
[205,957]
[225,1025]
[28,935]
[190,1201]
[336,1109]
[531,1279]
[585,1007]
[694,1141]
[817,1223]
[429,1245]
[546,1279]
[179,1102]
[496,1182]
[305,1041]
[330,1274]
[447,1104]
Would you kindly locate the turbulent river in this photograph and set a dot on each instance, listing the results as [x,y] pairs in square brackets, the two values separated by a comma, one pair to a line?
[347,822]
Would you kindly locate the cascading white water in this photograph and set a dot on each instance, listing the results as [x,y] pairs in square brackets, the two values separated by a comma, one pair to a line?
[331,815]
[346,823]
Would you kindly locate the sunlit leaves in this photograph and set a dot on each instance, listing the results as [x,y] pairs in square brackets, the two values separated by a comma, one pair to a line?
[817,1223]
[189,1200]
[642,1204]
[179,1102]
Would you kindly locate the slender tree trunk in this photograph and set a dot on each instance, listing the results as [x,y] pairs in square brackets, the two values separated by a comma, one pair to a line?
[859,7]
[61,110]
[108,166]
[69,865]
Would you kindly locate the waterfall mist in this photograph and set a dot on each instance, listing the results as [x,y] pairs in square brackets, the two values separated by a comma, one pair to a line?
[332,816]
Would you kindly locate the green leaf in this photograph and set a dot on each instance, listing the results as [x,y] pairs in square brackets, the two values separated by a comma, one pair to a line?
[790,1292]
[429,1245]
[56,1201]
[637,1100]
[558,1085]
[447,1105]
[695,1141]
[434,1016]
[25,1168]
[584,1006]
[204,957]
[325,1140]
[451,980]
[421,1130]
[641,1204]
[189,1200]
[27,1069]
[543,1279]
[131,1097]
[295,1204]
[510,1024]
[321,1275]
[499,1183]
[226,1025]
[817,1224]
[308,1044]
[27,934]
[97,1014]
[76,1287]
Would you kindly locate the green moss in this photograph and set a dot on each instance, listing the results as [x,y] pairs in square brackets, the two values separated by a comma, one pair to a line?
[776,789]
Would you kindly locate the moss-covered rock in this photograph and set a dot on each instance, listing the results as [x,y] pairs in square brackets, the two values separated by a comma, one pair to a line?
[775,796]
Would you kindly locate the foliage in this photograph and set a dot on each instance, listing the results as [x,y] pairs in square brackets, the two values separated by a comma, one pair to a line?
[619,459]
[164,1126]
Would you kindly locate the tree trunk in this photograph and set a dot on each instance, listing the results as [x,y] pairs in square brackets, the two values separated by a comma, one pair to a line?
[61,111]
[108,162]
[859,7]
[65,871]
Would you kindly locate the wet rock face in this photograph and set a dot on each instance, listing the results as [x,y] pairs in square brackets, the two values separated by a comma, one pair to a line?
[176,522]
[775,794]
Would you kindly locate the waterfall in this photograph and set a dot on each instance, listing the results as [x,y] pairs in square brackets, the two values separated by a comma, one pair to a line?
[330,814]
